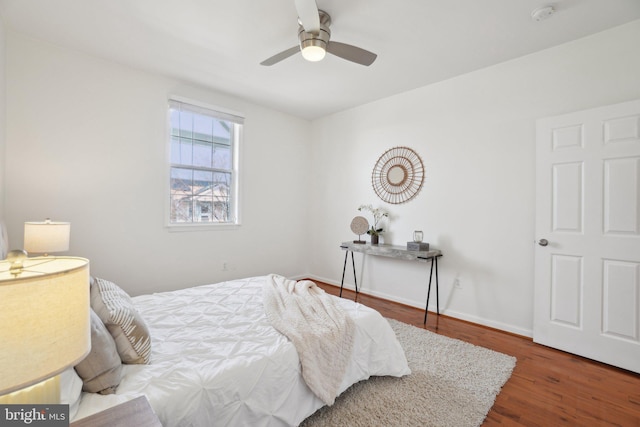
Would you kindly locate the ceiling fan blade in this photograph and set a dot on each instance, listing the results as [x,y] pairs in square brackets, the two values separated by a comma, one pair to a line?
[308,15]
[280,56]
[351,53]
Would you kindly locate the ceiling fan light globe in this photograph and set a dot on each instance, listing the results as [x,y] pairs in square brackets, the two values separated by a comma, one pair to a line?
[313,53]
[314,46]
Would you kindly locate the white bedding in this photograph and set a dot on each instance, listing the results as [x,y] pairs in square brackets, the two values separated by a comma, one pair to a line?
[216,360]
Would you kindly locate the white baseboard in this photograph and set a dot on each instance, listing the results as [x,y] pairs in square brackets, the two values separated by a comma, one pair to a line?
[432,307]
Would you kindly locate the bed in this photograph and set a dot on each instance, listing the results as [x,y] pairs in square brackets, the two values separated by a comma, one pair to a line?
[215,359]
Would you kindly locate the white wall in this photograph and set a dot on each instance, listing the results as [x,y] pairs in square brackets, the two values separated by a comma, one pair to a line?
[476,136]
[86,143]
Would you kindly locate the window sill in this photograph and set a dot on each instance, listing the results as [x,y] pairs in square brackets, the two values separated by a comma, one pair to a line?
[179,228]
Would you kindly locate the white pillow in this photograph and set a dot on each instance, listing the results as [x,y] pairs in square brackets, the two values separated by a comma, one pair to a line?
[70,390]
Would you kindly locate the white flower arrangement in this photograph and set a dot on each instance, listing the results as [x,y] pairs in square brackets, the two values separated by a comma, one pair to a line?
[378,214]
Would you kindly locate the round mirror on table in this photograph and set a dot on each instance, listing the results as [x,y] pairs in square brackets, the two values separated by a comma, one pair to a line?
[359,225]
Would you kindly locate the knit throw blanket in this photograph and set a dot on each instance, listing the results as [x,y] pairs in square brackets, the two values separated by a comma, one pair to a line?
[318,327]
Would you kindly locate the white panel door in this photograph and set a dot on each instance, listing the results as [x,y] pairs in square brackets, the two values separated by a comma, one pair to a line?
[587,261]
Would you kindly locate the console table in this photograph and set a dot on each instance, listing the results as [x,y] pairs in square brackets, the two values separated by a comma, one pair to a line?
[398,252]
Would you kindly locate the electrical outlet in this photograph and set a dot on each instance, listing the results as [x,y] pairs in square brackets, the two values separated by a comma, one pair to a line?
[456,284]
[225,266]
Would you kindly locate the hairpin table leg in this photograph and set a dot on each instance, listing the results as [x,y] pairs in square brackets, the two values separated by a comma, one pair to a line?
[435,259]
[355,280]
[426,308]
[344,268]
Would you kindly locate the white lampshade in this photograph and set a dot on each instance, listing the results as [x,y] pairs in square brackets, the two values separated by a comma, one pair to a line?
[46,237]
[44,320]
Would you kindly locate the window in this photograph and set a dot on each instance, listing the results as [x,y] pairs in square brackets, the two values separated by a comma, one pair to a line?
[203,165]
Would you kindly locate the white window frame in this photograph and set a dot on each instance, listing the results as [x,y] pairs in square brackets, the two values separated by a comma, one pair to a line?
[238,120]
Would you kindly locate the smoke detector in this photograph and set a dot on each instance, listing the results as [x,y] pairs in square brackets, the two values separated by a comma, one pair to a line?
[542,13]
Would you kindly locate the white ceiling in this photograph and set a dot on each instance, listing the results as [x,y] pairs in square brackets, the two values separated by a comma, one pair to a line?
[220,43]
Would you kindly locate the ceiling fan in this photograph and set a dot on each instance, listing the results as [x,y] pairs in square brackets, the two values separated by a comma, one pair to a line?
[314,39]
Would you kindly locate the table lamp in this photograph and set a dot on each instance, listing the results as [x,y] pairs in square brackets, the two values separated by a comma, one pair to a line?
[46,237]
[44,325]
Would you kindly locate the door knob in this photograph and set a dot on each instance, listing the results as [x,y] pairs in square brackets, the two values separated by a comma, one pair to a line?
[543,242]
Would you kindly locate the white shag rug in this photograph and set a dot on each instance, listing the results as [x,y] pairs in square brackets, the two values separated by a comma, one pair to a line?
[453,383]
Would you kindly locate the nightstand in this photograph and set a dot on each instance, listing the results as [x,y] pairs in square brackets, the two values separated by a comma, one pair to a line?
[136,412]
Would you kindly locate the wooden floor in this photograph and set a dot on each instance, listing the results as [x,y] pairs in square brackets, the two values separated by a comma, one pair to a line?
[548,387]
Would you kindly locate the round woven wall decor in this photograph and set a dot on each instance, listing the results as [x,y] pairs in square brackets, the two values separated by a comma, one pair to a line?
[398,175]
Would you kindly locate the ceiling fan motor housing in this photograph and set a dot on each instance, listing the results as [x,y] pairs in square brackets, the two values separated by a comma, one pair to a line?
[321,39]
